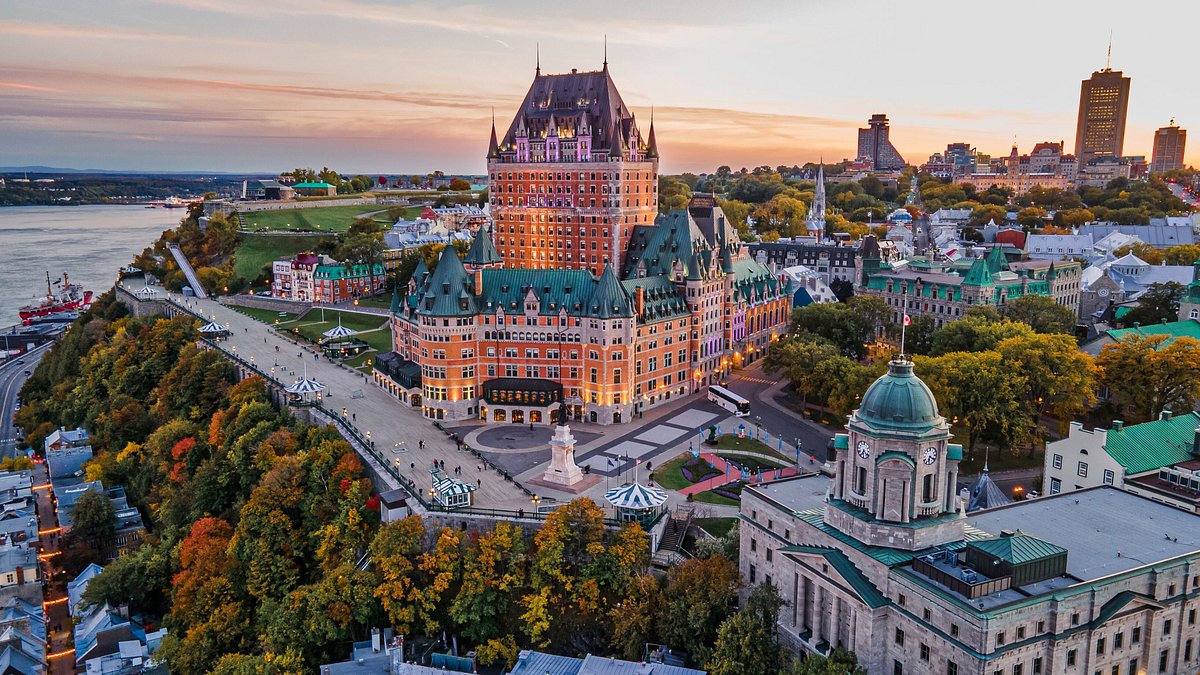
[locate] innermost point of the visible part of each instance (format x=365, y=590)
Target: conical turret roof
x=609, y=299
x=483, y=251
x=444, y=294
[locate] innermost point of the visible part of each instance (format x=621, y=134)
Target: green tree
x=1057, y=377
x=394, y=553
x=839, y=662
x=746, y=642
x=634, y=619
x=978, y=392
x=94, y=519
x=493, y=575
x=976, y=332
x=1157, y=304
x=1183, y=254
x=1031, y=217
x=1148, y=374
x=699, y=594
x=1041, y=312
x=849, y=325
x=919, y=335
x=797, y=359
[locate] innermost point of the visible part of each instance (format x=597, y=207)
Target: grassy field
x=255, y=252
x=380, y=340
x=669, y=476
x=317, y=219
x=311, y=326
x=709, y=497
x=717, y=527
x=382, y=301
x=267, y=316
x=747, y=444
x=750, y=463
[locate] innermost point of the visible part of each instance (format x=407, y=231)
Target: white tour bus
x=729, y=400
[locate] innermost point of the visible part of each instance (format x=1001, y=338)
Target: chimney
x=478, y=281
x=1196, y=443
x=1117, y=425
x=1164, y=416
x=376, y=644
x=640, y=302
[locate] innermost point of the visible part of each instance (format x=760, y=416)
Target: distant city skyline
x=378, y=87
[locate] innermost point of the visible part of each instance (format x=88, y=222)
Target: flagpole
x=903, y=319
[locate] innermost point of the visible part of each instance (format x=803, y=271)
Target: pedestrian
x=354, y=416
x=421, y=444
x=412, y=465
x=478, y=482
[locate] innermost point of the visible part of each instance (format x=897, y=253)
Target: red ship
x=61, y=296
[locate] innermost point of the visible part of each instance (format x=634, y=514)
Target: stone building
x=946, y=292
x=883, y=560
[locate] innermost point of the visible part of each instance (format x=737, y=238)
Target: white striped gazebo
x=213, y=328
x=305, y=386
x=339, y=331
x=146, y=292
x=634, y=501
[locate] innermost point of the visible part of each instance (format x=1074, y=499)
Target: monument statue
x=562, y=469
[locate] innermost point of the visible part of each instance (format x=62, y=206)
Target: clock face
x=929, y=456
x=864, y=449
x=1103, y=292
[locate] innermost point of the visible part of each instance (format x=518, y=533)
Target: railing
x=354, y=436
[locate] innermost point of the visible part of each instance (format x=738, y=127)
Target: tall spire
x=537, y=55
x=493, y=146
x=1108, y=61
x=815, y=221
x=651, y=144
x=606, y=51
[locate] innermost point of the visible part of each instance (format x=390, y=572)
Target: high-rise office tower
x=1168, y=148
x=1103, y=102
x=572, y=176
x=874, y=144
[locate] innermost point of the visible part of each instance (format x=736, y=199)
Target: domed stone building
x=883, y=559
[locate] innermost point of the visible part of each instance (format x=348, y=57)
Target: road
x=760, y=389
x=1186, y=196
x=12, y=377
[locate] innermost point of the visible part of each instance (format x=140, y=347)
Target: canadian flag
x=907, y=320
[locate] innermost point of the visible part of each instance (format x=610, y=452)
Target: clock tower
x=896, y=469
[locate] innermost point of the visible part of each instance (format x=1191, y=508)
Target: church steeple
x=815, y=222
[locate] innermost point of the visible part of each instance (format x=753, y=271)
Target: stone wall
x=259, y=302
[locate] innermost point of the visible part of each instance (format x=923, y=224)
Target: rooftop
x=1083, y=522
x=797, y=494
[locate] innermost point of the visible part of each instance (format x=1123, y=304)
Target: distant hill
x=37, y=169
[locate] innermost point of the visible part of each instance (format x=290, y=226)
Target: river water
x=91, y=243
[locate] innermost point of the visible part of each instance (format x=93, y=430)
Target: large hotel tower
x=582, y=295
x=572, y=176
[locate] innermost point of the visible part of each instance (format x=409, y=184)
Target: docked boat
x=61, y=296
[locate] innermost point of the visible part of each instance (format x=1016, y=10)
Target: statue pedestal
x=562, y=470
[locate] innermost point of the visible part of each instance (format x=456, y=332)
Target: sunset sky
x=236, y=85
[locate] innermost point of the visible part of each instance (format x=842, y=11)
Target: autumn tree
x=1041, y=312
x=1056, y=376
x=636, y=619
x=493, y=576
x=1147, y=374
x=978, y=392
x=978, y=331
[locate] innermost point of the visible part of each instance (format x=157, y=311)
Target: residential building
x=22, y=637
x=1169, y=142
x=572, y=176
x=884, y=560
x=511, y=344
x=461, y=217
x=1060, y=246
x=1171, y=330
x=384, y=654
x=130, y=529
x=67, y=460
x=1189, y=304
x=406, y=235
x=108, y=641
x=945, y=292
x=809, y=286
x=65, y=438
x=19, y=527
x=309, y=277
x=1103, y=104
x=830, y=260
x=77, y=586
x=1045, y=167
x=875, y=146
x=1159, y=460
x=1160, y=233
x=19, y=567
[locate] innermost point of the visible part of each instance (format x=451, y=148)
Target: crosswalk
x=757, y=380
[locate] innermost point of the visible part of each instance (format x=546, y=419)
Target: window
x=1082, y=470
x=1187, y=651
x=753, y=573
x=1118, y=640
x=953, y=630
x=1116, y=669
x=1135, y=635
x=924, y=652
x=925, y=614
x=1100, y=645
x=897, y=668
x=1057, y=461
x=1055, y=486
x=753, y=545
x=1037, y=666
x=1021, y=633
x=1167, y=627
x=899, y=637
x=1075, y=618
x=1071, y=657
x=1018, y=669
x=951, y=668
x=901, y=599
x=770, y=551
x=1108, y=477
x=1133, y=664
x=1191, y=616
x=1162, y=660
x=1041, y=627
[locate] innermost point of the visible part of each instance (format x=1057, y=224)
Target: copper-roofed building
x=572, y=175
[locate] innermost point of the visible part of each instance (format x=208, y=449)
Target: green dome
x=899, y=401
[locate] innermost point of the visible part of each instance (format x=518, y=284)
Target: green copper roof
x=899, y=401
x=1018, y=548
x=661, y=298
x=1152, y=445
x=888, y=556
x=311, y=184
x=483, y=251
x=861, y=585
x=979, y=274
x=954, y=452
x=609, y=300
x=421, y=271
x=1172, y=329
x=345, y=272
x=673, y=238
x=446, y=294
x=396, y=300
x=556, y=290
x=894, y=454
x=996, y=261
